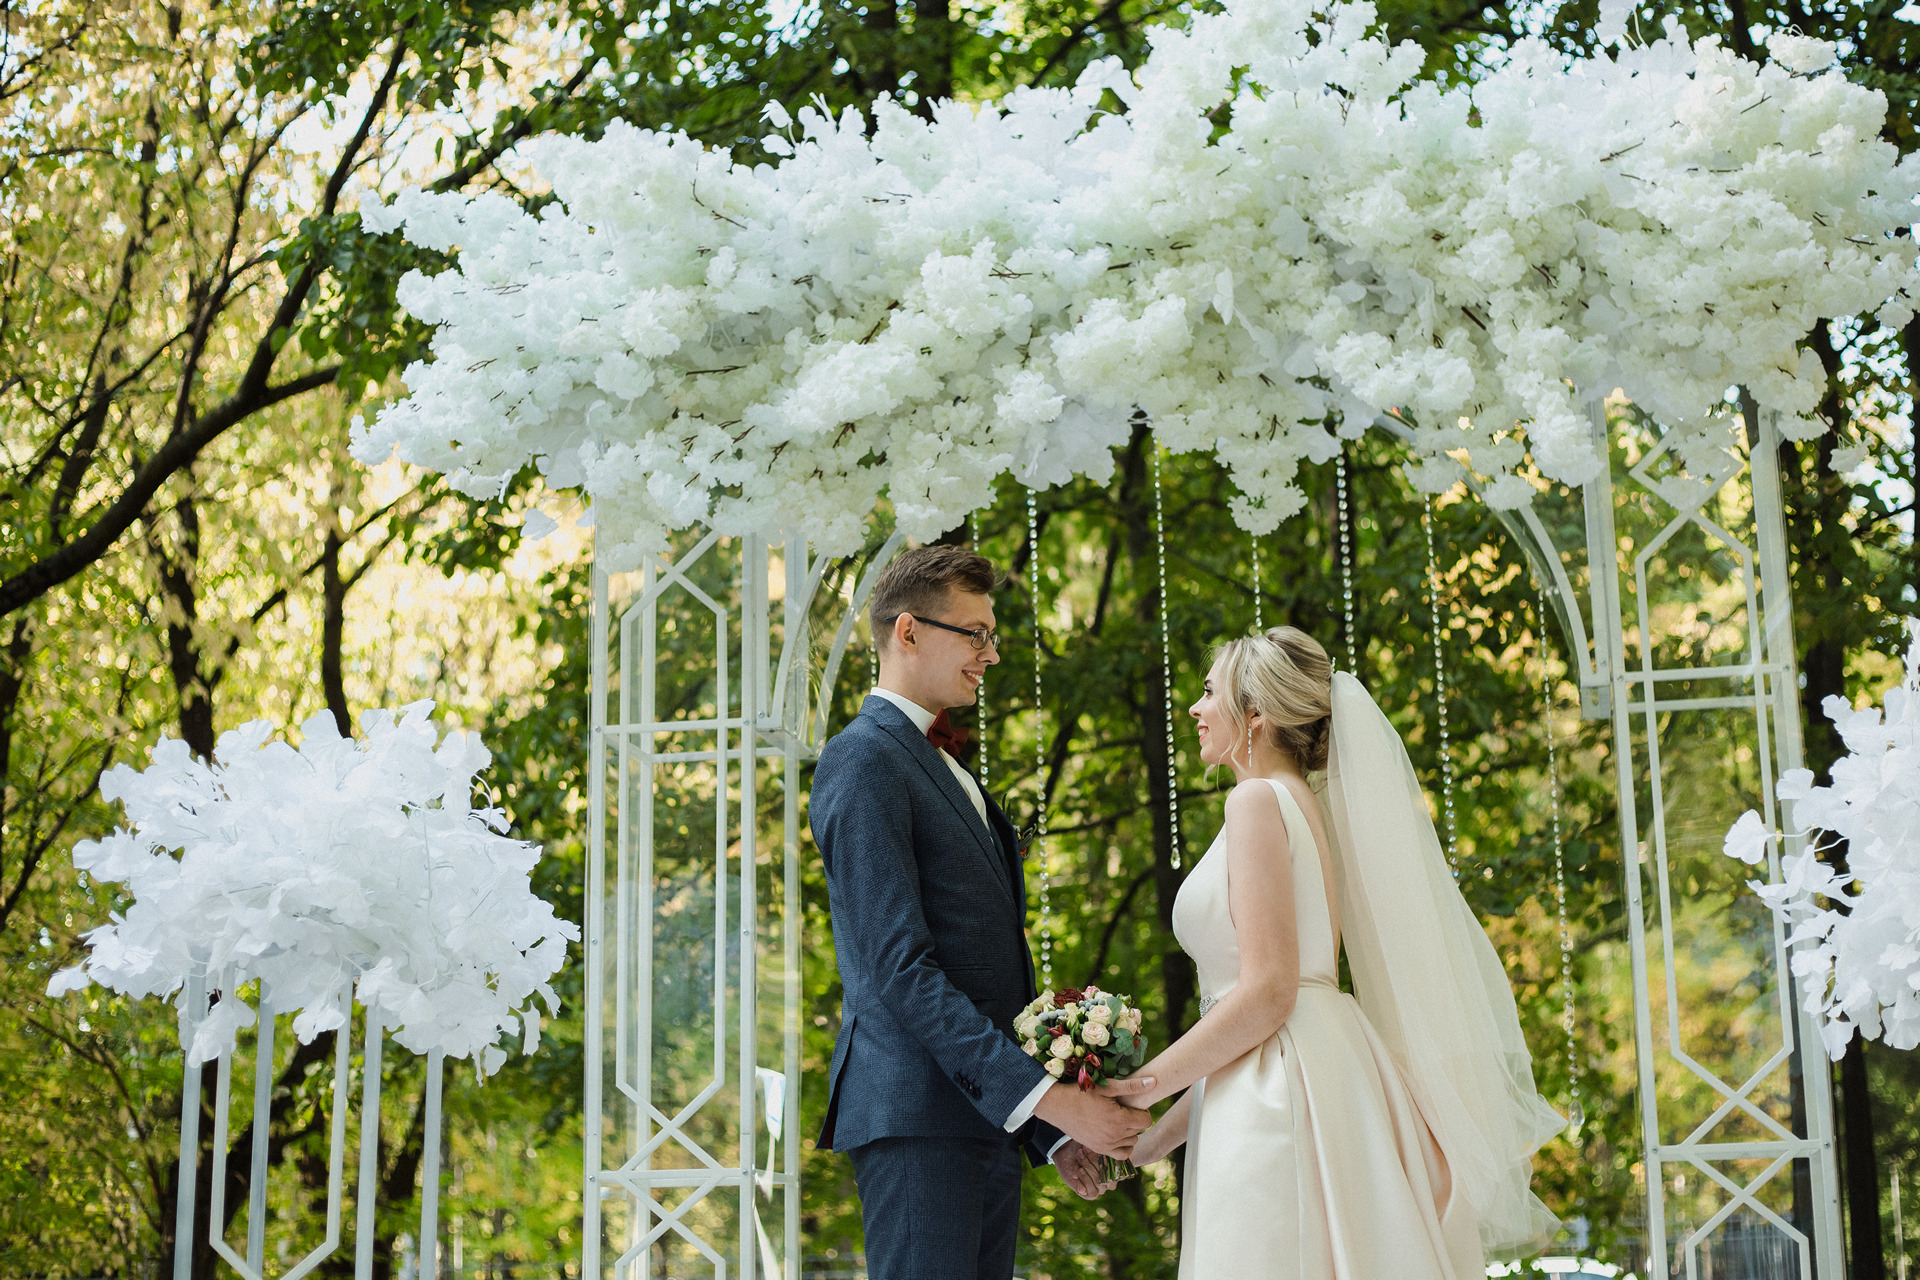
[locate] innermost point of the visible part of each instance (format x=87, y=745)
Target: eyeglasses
x=979, y=639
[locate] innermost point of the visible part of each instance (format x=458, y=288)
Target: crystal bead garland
x=1039, y=751
x=1346, y=560
x=1258, y=625
x=1576, y=1114
x=980, y=698
x=1440, y=691
x=1166, y=653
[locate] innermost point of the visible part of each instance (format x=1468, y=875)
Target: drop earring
x=1249, y=746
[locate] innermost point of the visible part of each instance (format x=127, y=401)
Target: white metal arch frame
x=673, y=1167
x=1621, y=599
x=644, y=1147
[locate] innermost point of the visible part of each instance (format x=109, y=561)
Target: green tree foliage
x=189, y=315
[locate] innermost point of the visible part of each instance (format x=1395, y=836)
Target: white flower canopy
x=1284, y=230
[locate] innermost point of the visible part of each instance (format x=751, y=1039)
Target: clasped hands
x=1097, y=1123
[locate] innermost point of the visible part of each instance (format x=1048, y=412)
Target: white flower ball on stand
x=344, y=869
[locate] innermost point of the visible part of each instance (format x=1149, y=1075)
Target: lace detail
x=1207, y=1003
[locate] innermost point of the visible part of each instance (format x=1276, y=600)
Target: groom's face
x=944, y=668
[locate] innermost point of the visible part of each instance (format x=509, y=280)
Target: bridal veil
x=1430, y=981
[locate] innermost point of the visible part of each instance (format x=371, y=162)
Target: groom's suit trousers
x=939, y=1208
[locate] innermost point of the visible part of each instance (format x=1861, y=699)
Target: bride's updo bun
x=1286, y=677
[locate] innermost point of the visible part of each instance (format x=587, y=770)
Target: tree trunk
x=1816, y=509
x=1862, y=1176
x=1176, y=968
x=333, y=593
x=178, y=569
x=933, y=27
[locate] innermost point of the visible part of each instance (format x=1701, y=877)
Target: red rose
x=1071, y=995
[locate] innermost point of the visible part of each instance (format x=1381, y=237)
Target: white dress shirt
x=923, y=720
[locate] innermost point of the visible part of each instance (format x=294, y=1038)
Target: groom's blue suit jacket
x=929, y=929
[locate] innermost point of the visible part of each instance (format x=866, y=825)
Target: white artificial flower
x=909, y=308
x=1748, y=839
x=344, y=870
x=1858, y=958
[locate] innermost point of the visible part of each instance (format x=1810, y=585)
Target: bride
x=1383, y=1134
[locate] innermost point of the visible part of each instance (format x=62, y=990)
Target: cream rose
x=1101, y=1013
x=1062, y=1047
x=1056, y=1068
x=1130, y=1020
x=1095, y=1034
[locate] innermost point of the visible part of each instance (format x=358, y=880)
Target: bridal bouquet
x=1088, y=1037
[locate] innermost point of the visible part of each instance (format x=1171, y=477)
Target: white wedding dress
x=1308, y=1158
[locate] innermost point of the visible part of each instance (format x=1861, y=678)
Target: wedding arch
x=1268, y=239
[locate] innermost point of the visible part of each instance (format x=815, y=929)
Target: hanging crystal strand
x=1576, y=1114
x=1039, y=751
x=1258, y=624
x=1166, y=652
x=1440, y=692
x=980, y=698
x=1346, y=560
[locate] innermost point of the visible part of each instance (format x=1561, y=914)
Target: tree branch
x=57, y=566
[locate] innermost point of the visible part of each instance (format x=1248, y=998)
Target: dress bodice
x=1203, y=920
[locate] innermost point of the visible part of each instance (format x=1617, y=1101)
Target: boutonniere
x=1023, y=837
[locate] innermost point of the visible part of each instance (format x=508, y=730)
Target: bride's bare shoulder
x=1252, y=801
x=1247, y=790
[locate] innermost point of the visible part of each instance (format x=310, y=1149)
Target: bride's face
x=1216, y=733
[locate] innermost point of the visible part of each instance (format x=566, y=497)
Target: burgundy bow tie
x=944, y=736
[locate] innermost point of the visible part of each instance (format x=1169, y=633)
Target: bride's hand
x=1151, y=1147
x=1130, y=1092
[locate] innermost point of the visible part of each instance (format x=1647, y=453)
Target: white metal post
x=594, y=932
x=753, y=671
x=262, y=1130
x=193, y=1007
x=364, y=1223
x=430, y=1170
x=793, y=720
x=1603, y=572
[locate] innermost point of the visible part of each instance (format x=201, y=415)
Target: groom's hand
x=1081, y=1169
x=1100, y=1123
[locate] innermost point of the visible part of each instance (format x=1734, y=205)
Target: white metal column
x=663, y=1149
x=1761, y=691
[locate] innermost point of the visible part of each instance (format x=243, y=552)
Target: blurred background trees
x=190, y=316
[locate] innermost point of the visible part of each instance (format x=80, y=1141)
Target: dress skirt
x=1307, y=1159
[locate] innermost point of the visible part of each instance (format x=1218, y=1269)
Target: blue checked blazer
x=929, y=930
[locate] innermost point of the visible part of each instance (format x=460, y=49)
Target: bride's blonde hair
x=1284, y=675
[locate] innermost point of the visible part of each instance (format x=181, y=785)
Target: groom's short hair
x=918, y=580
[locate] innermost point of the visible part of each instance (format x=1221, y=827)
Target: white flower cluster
x=343, y=865
x=1858, y=959
x=1285, y=228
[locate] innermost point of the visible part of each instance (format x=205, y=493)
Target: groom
x=930, y=1094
